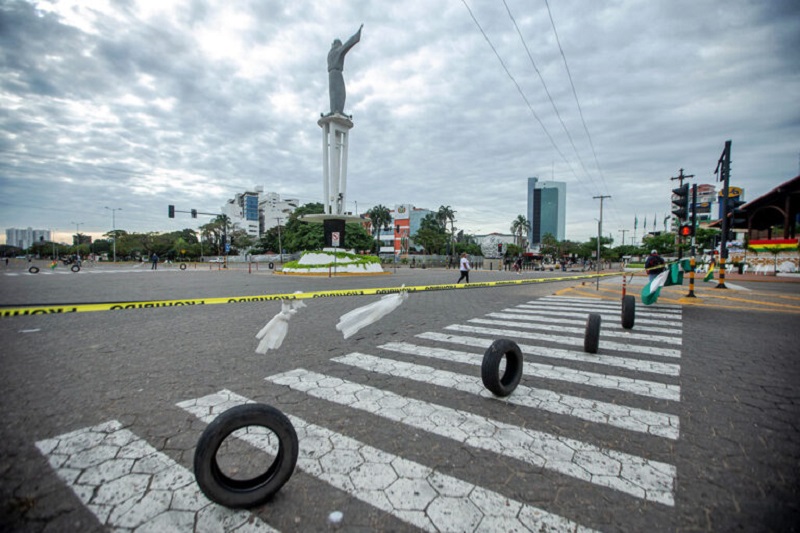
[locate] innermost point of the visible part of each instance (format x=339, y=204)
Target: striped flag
x=651, y=290
x=710, y=273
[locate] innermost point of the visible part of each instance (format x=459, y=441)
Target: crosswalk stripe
x=561, y=328
x=127, y=484
x=639, y=365
x=618, y=304
x=606, y=316
x=639, y=387
x=629, y=418
x=663, y=317
x=571, y=341
x=637, y=476
x=410, y=491
x=543, y=316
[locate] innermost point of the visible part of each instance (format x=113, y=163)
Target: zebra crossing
x=129, y=485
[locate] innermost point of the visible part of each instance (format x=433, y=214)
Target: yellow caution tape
x=153, y=304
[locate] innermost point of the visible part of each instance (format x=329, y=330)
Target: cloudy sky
x=139, y=104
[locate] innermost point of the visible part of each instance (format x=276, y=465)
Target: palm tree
x=518, y=227
x=380, y=217
x=445, y=215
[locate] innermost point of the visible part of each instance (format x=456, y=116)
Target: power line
x=549, y=96
x=519, y=89
x=575, y=93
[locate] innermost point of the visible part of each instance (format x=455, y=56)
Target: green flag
x=651, y=290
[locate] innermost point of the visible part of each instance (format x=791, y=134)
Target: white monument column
x=335, y=132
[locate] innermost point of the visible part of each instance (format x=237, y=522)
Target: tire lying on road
x=33, y=270
x=628, y=311
x=591, y=339
x=499, y=351
x=234, y=491
x=183, y=266
x=75, y=268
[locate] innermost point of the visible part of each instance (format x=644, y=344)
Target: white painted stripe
x=637, y=365
x=664, y=317
x=604, y=330
x=565, y=339
x=637, y=476
x=127, y=484
x=629, y=418
x=606, y=316
x=593, y=301
x=639, y=387
x=535, y=316
x=410, y=491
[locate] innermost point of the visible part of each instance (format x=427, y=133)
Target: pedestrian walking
x=464, y=267
x=654, y=265
x=154, y=259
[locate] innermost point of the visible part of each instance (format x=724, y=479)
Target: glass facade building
x=547, y=204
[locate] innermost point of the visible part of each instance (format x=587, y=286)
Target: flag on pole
x=635, y=221
x=644, y=225
x=651, y=290
x=710, y=273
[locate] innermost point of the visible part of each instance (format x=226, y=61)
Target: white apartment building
x=275, y=210
x=25, y=238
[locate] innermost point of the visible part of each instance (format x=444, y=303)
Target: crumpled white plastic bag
x=361, y=317
x=275, y=331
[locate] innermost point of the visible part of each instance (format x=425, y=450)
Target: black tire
x=183, y=266
x=75, y=268
x=591, y=339
x=33, y=270
x=238, y=493
x=628, y=311
x=271, y=266
x=490, y=368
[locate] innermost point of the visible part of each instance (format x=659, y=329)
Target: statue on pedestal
x=335, y=68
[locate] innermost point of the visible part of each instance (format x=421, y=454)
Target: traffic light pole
x=194, y=212
x=724, y=171
x=681, y=210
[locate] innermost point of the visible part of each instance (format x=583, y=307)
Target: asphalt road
x=688, y=422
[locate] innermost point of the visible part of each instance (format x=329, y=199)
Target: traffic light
x=194, y=213
x=738, y=216
x=687, y=230
x=680, y=202
x=500, y=247
x=171, y=211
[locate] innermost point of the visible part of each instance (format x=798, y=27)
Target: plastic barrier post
x=721, y=284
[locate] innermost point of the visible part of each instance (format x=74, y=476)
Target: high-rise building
x=242, y=210
x=24, y=238
x=547, y=207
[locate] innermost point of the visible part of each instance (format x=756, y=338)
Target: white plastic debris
x=352, y=322
x=275, y=331
x=335, y=518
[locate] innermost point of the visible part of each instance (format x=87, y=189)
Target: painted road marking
x=516, y=323
x=663, y=317
x=639, y=477
x=544, y=318
x=410, y=491
x=571, y=341
x=128, y=485
x=639, y=387
x=551, y=311
x=606, y=303
x=629, y=418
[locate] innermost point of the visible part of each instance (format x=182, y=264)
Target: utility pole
x=599, y=236
x=280, y=246
x=623, y=231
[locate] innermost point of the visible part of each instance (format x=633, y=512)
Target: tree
x=444, y=215
x=379, y=217
x=431, y=235
x=518, y=227
x=298, y=235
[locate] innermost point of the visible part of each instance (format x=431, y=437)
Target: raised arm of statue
x=335, y=68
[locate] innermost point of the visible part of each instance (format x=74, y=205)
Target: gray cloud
x=140, y=107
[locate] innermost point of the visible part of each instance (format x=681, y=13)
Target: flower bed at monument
x=322, y=262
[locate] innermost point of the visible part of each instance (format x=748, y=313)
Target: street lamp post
x=114, y=228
